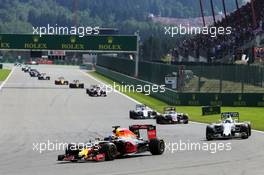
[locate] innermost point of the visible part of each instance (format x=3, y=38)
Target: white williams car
x=229, y=127
x=170, y=116
x=142, y=112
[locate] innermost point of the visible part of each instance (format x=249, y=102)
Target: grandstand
x=247, y=24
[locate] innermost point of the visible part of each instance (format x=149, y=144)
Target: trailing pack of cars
x=93, y=90
x=169, y=116
x=35, y=73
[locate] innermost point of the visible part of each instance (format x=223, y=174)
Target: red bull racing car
x=61, y=81
x=121, y=143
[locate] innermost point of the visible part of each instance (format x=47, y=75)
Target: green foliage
x=4, y=73
x=129, y=15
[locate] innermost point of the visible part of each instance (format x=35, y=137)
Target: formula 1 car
x=229, y=127
x=170, y=116
x=43, y=76
x=25, y=68
x=17, y=64
x=61, y=81
x=96, y=91
x=34, y=73
x=121, y=143
x=76, y=84
x=142, y=112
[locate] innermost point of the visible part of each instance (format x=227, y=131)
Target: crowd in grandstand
x=243, y=31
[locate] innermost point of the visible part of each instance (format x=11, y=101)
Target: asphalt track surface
x=33, y=111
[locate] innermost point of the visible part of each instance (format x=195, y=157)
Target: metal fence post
x=137, y=56
x=221, y=79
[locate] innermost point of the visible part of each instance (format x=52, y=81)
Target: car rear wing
x=140, y=106
x=230, y=114
x=151, y=130
x=169, y=108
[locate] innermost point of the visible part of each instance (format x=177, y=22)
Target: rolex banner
x=97, y=43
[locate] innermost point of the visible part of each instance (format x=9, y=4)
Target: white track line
x=4, y=82
x=141, y=103
x=85, y=73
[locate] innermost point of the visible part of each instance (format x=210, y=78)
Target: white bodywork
x=144, y=109
x=174, y=115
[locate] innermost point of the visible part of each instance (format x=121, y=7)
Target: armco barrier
x=190, y=99
x=86, y=66
x=156, y=72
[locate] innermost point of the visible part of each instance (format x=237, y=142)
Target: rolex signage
x=96, y=43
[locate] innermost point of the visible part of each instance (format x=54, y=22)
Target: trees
x=129, y=16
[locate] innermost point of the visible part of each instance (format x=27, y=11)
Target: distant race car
x=25, y=68
x=96, y=91
x=17, y=64
x=34, y=73
x=121, y=143
x=43, y=76
x=142, y=112
x=32, y=62
x=229, y=127
x=170, y=116
x=61, y=81
x=76, y=84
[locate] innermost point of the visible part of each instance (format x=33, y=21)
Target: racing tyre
x=209, y=134
x=156, y=146
x=131, y=114
x=244, y=135
x=249, y=130
x=244, y=132
x=109, y=150
x=186, y=119
x=72, y=150
x=61, y=157
x=158, y=120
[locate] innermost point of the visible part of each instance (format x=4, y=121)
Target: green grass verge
x=253, y=114
x=4, y=73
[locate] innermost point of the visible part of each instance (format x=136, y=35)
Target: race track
x=33, y=111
